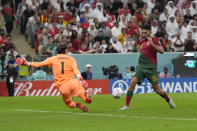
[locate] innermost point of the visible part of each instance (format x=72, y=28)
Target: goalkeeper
x=64, y=70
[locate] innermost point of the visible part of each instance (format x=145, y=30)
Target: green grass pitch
x=148, y=112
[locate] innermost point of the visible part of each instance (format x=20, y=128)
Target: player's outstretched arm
x=23, y=61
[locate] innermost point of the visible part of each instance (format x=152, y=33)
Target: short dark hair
x=146, y=27
x=61, y=48
x=11, y=55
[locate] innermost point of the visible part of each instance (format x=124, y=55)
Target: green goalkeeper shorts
x=150, y=74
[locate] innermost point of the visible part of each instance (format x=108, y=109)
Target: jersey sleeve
x=43, y=63
x=75, y=67
x=156, y=41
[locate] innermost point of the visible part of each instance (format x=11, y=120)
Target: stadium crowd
x=100, y=26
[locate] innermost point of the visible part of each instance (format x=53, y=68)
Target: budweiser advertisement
x=46, y=88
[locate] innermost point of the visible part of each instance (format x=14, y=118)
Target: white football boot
x=124, y=108
x=171, y=104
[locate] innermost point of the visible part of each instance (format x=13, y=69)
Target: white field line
x=108, y=115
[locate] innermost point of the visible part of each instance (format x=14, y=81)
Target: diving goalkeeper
x=64, y=70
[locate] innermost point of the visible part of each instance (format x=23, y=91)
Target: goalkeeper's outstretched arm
x=39, y=64
x=23, y=61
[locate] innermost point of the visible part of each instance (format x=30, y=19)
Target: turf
x=148, y=112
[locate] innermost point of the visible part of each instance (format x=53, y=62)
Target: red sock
x=165, y=96
x=128, y=99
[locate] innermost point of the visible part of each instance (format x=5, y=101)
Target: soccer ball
x=117, y=92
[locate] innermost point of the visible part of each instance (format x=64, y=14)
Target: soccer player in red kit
x=147, y=67
x=64, y=70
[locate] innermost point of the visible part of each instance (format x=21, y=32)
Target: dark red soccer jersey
x=148, y=54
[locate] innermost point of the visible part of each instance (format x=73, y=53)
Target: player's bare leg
x=130, y=91
x=163, y=94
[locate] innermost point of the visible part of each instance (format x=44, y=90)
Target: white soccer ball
x=117, y=92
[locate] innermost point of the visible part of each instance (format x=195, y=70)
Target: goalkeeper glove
x=21, y=61
x=83, y=82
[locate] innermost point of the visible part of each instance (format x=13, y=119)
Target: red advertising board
x=46, y=88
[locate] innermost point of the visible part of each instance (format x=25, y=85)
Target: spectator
x=9, y=17
x=188, y=16
x=85, y=24
x=72, y=6
x=134, y=28
x=92, y=30
x=178, y=44
x=8, y=42
x=172, y=27
x=48, y=48
x=54, y=30
x=117, y=45
x=12, y=71
x=110, y=49
x=109, y=23
x=39, y=75
x=24, y=18
x=115, y=75
x=184, y=30
x=33, y=25
x=164, y=16
x=116, y=5
x=83, y=49
x=167, y=44
x=132, y=6
x=20, y=9
x=171, y=8
x=151, y=5
x=78, y=28
x=42, y=40
x=191, y=24
x=193, y=8
x=88, y=11
x=103, y=45
x=194, y=33
x=124, y=12
x=154, y=14
x=99, y=37
x=123, y=21
x=87, y=74
x=59, y=36
x=140, y=3
x=165, y=73
x=154, y=27
x=116, y=30
x=190, y=44
x=129, y=44
x=60, y=22
x=12, y=51
x=97, y=48
x=128, y=73
x=122, y=36
x=98, y=11
x=2, y=37
x=76, y=44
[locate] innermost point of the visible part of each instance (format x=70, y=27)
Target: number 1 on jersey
x=62, y=67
